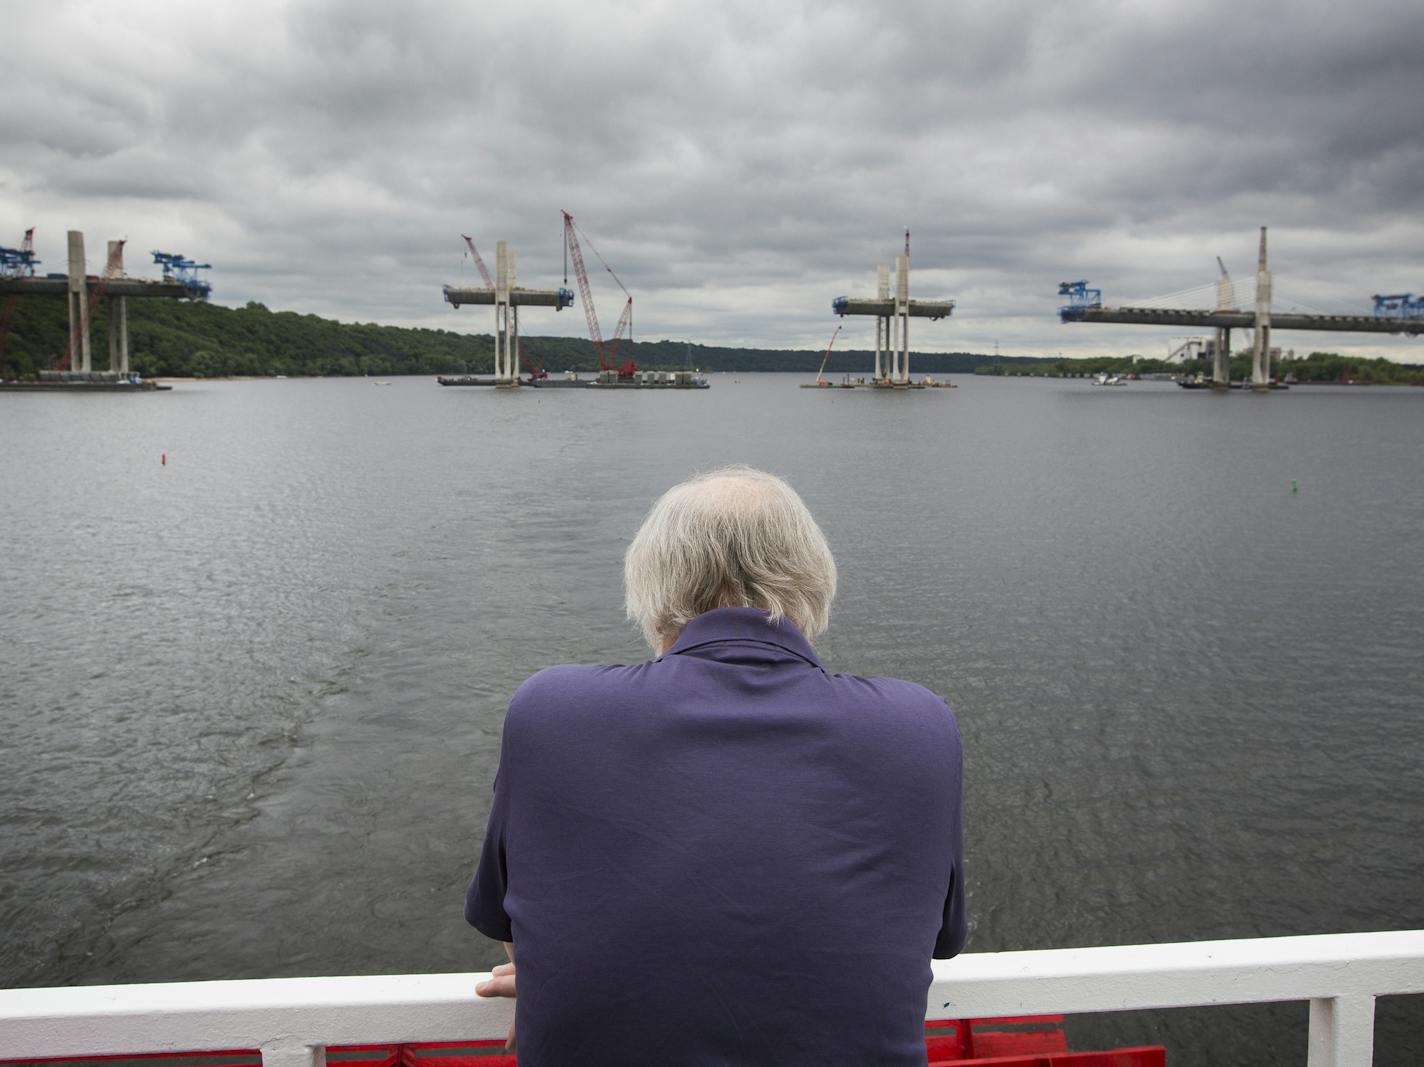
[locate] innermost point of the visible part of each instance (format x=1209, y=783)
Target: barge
x=847, y=382
x=84, y=382
x=609, y=379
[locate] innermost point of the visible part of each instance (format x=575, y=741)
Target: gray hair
x=733, y=537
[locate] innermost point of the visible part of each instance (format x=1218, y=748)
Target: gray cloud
x=739, y=164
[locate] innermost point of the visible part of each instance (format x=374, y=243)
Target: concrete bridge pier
x=118, y=313
x=901, y=373
x=506, y=320
x=1221, y=361
x=1261, y=360
x=882, y=326
x=78, y=304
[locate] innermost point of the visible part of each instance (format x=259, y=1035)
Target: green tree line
x=178, y=338
x=1316, y=367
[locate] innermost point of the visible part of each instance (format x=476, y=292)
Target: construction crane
x=1398, y=306
x=607, y=354
x=86, y=313
x=1081, y=298
x=184, y=272
x=19, y=262
x=1225, y=290
x=820, y=380
x=479, y=262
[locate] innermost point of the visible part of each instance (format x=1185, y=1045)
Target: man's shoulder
x=896, y=692
x=558, y=686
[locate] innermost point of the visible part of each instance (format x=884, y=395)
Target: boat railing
x=293, y=1020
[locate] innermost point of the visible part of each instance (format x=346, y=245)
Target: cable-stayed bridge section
x=506, y=298
x=893, y=311
x=84, y=291
x=1398, y=313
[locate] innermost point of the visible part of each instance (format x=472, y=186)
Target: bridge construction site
x=507, y=298
x=83, y=292
x=1216, y=306
x=1399, y=313
x=892, y=313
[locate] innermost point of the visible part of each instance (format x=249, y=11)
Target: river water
x=251, y=697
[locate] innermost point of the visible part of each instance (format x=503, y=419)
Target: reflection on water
x=252, y=698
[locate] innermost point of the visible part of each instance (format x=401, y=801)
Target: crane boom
x=571, y=242
x=607, y=353
x=479, y=262
x=826, y=358
x=625, y=322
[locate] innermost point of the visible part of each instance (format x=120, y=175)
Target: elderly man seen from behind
x=727, y=854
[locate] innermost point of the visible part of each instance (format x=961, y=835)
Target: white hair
x=734, y=537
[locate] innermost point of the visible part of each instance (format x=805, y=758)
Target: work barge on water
x=892, y=310
x=511, y=369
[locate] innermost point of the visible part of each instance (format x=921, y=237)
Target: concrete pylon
x=902, y=318
x=1225, y=301
x=78, y=305
x=1261, y=361
x=503, y=356
x=882, y=324
x=118, y=313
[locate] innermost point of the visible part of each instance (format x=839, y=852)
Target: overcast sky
x=738, y=164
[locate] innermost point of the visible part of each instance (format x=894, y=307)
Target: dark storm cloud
x=739, y=164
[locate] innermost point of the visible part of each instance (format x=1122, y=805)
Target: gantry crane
x=185, y=273
x=607, y=354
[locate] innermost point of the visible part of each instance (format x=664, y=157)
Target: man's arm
x=501, y=985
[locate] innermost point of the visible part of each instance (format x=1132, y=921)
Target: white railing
x=293, y=1020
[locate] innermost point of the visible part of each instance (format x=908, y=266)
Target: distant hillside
x=177, y=338
x=204, y=340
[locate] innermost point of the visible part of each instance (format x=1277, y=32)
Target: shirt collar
x=743, y=624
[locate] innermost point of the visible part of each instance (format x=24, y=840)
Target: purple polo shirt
x=724, y=856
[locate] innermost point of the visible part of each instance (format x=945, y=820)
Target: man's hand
x=501, y=984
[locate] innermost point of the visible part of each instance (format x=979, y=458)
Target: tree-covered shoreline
x=179, y=339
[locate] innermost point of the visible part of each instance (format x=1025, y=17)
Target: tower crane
x=479, y=262
x=607, y=353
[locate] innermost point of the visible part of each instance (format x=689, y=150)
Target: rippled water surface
x=251, y=699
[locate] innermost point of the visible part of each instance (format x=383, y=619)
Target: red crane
x=479, y=262
x=607, y=353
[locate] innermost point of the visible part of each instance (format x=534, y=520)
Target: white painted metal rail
x=293, y=1020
